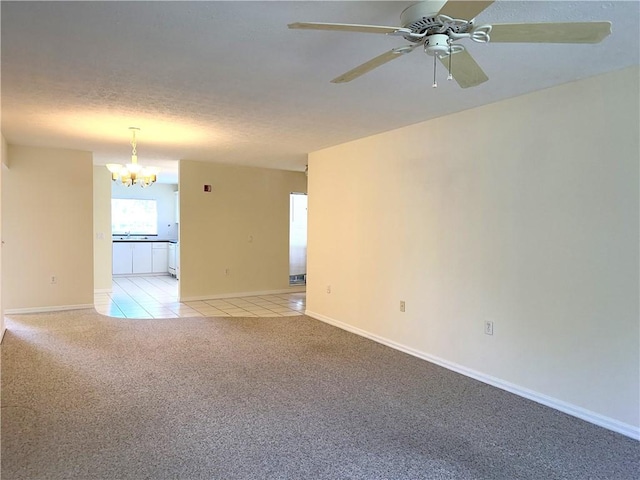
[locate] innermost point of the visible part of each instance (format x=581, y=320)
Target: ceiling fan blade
x=373, y=63
x=348, y=27
x=464, y=69
x=466, y=10
x=579, y=32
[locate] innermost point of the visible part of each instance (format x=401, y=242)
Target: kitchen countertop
x=119, y=240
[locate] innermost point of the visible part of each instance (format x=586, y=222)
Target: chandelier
x=133, y=173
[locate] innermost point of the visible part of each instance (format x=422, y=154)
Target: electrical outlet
x=402, y=305
x=226, y=272
x=54, y=279
x=488, y=327
x=328, y=288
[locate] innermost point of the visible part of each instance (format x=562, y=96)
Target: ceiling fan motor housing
x=416, y=12
x=423, y=18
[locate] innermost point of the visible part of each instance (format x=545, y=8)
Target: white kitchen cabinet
x=160, y=252
x=142, y=257
x=132, y=257
x=122, y=258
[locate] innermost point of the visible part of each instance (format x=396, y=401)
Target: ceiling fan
x=436, y=24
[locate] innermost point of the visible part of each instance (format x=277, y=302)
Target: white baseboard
x=102, y=290
x=565, y=407
x=296, y=289
x=57, y=308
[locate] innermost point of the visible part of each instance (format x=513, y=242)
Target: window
x=134, y=216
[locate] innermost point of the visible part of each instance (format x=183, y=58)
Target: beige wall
x=242, y=226
x=4, y=161
x=102, y=250
x=47, y=227
x=5, y=155
x=524, y=213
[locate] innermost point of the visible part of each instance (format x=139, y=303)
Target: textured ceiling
x=229, y=82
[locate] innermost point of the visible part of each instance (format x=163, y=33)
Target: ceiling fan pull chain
x=435, y=84
x=450, y=77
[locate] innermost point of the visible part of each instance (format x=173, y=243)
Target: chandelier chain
x=133, y=141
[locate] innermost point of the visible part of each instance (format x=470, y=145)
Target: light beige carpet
x=90, y=397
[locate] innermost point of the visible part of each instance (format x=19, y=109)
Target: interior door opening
x=298, y=239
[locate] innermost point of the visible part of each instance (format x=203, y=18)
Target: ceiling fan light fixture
x=437, y=45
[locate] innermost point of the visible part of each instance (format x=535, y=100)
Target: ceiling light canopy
x=133, y=173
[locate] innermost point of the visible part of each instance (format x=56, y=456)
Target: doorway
x=298, y=239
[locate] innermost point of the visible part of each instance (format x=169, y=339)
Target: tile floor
x=157, y=297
